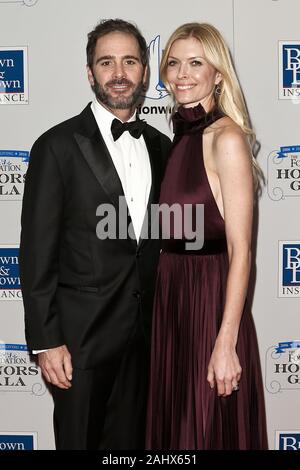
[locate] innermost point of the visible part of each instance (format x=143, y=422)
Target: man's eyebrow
x=105, y=57
x=112, y=57
x=132, y=57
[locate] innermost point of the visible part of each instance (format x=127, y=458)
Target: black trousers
x=106, y=407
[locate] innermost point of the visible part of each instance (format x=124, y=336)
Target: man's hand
x=56, y=366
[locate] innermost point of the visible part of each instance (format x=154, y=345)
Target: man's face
x=117, y=76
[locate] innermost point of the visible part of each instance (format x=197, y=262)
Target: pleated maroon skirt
x=183, y=411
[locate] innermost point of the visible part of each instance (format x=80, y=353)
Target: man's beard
x=121, y=102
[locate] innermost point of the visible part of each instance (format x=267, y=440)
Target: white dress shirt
x=131, y=160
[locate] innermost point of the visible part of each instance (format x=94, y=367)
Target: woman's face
x=192, y=79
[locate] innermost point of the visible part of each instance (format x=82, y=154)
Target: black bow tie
x=135, y=128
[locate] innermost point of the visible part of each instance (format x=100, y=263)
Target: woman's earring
x=218, y=90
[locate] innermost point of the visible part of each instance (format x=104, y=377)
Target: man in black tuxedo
x=87, y=298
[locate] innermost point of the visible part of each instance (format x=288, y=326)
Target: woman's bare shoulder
x=229, y=137
x=225, y=128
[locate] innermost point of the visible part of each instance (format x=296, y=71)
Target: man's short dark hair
x=111, y=26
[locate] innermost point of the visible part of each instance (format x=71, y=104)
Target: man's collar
x=104, y=117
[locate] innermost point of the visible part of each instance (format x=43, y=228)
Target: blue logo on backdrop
x=291, y=265
x=288, y=440
x=17, y=441
x=284, y=172
x=156, y=89
x=289, y=69
x=283, y=366
x=291, y=65
x=19, y=371
x=284, y=345
x=289, y=269
x=13, y=75
x=13, y=347
x=13, y=168
x=10, y=288
x=12, y=71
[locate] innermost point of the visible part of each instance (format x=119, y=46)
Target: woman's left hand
x=224, y=369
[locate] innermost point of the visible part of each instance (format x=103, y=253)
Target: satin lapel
x=154, y=151
x=96, y=154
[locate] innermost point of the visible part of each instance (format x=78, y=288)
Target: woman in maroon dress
x=206, y=387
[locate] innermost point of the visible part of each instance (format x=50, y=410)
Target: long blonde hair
x=228, y=96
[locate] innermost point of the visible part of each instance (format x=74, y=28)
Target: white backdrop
x=50, y=37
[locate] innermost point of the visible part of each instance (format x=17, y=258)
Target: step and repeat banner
x=43, y=81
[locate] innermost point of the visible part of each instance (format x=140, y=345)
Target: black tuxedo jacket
x=79, y=290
